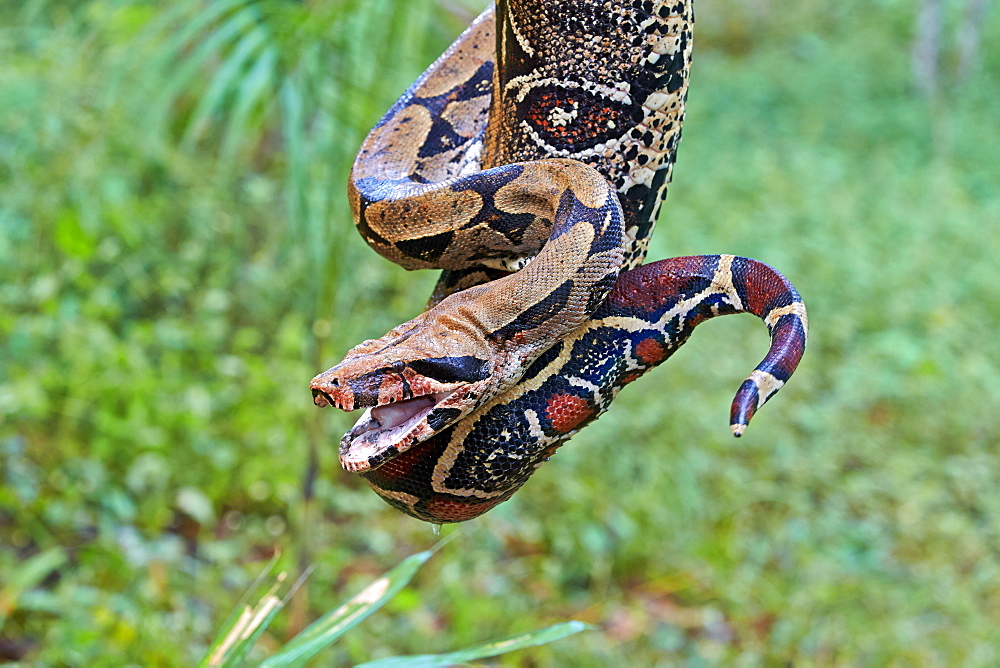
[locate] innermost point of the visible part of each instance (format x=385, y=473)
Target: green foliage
x=484, y=651
x=26, y=576
x=245, y=625
x=177, y=261
x=328, y=628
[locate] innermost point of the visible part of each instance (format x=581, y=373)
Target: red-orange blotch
x=650, y=351
x=566, y=411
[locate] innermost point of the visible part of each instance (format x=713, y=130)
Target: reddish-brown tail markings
x=735, y=285
x=767, y=294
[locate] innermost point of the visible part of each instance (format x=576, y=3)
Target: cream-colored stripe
x=797, y=308
x=584, y=383
x=443, y=469
x=723, y=279
x=766, y=385
x=617, y=91
x=534, y=424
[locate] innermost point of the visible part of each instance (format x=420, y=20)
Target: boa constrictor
x=529, y=162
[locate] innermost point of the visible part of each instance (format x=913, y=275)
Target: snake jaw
x=407, y=401
x=415, y=381
x=385, y=431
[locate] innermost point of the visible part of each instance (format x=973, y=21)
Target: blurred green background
x=177, y=260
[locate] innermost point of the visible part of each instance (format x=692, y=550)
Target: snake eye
x=463, y=369
x=574, y=119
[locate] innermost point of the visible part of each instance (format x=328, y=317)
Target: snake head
x=414, y=382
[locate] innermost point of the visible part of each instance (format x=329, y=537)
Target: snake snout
x=330, y=388
x=334, y=392
x=322, y=399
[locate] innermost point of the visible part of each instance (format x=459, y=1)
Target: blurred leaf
x=223, y=81
x=485, y=650
x=252, y=92
x=237, y=635
x=71, y=237
x=325, y=630
x=26, y=576
x=194, y=502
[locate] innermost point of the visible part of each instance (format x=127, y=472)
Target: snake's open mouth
x=382, y=432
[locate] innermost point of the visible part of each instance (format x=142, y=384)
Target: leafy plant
x=246, y=624
x=27, y=576
x=265, y=80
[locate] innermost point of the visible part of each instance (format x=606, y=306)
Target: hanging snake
x=529, y=162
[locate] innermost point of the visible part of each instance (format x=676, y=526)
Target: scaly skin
x=533, y=179
x=470, y=467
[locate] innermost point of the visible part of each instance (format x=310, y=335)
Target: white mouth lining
x=375, y=439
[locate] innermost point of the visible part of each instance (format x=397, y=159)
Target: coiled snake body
x=529, y=162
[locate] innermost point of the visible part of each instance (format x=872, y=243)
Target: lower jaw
x=368, y=445
x=371, y=448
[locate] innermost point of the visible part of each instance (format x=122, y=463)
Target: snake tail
x=738, y=285
x=773, y=299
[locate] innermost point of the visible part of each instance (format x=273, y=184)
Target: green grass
x=177, y=260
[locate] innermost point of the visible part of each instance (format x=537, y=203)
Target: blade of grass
x=293, y=120
x=335, y=623
x=223, y=82
x=488, y=649
x=204, y=16
x=238, y=618
x=325, y=630
x=187, y=67
x=252, y=90
x=239, y=638
x=262, y=616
